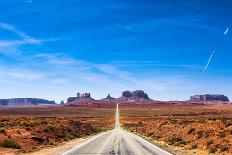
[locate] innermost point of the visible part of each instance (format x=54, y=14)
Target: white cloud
x=226, y=31
x=209, y=61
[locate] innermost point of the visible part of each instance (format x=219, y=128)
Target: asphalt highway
x=116, y=142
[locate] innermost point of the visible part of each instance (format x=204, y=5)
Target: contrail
x=226, y=31
x=206, y=66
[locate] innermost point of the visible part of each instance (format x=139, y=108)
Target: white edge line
x=157, y=147
x=86, y=142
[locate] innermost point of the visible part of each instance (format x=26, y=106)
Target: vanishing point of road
x=116, y=142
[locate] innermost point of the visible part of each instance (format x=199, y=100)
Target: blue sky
x=53, y=49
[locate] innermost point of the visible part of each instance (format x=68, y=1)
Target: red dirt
x=207, y=128
x=34, y=128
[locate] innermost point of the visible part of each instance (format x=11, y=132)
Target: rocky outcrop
x=139, y=94
x=81, y=98
x=24, y=101
x=108, y=99
x=134, y=96
x=127, y=94
x=209, y=98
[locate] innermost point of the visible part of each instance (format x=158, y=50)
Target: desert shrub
x=49, y=128
x=173, y=120
x=194, y=146
x=2, y=124
x=200, y=134
x=191, y=131
x=203, y=121
x=2, y=130
x=222, y=134
x=209, y=142
x=207, y=133
x=224, y=148
x=78, y=135
x=69, y=129
x=69, y=137
x=181, y=143
x=185, y=122
x=175, y=140
x=28, y=123
x=212, y=150
x=163, y=123
x=230, y=132
x=45, y=121
x=226, y=123
x=10, y=144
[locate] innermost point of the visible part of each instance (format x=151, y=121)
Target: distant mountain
x=209, y=98
x=127, y=97
x=25, y=102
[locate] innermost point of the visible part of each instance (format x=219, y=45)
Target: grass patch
x=49, y=128
x=2, y=130
x=69, y=137
x=28, y=123
x=10, y=144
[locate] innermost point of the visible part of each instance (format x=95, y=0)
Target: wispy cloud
x=209, y=61
x=26, y=39
x=154, y=64
x=59, y=81
x=226, y=31
x=57, y=59
x=20, y=74
x=10, y=47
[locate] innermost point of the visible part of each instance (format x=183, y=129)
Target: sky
x=53, y=49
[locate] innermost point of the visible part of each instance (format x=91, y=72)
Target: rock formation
x=24, y=101
x=127, y=94
x=134, y=96
x=139, y=94
x=108, y=99
x=209, y=98
x=80, y=98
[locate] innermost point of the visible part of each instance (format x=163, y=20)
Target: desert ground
x=28, y=129
x=179, y=128
x=189, y=129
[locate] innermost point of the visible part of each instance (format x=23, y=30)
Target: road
x=116, y=142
